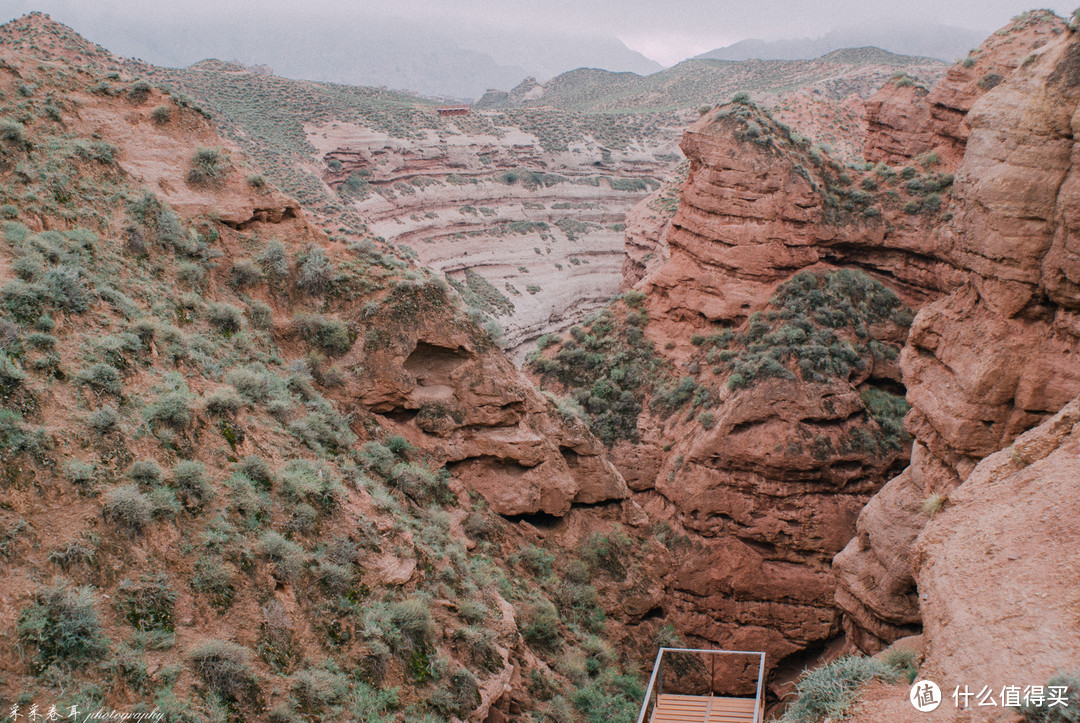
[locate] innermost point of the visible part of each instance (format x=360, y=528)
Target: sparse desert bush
x=540, y=624
x=145, y=473
x=173, y=410
x=103, y=420
x=934, y=504
x=127, y=507
x=330, y=335
x=148, y=603
x=316, y=273
x=100, y=377
x=226, y=318
x=245, y=273
x=214, y=579
x=224, y=400
x=192, y=487
x=208, y=167
x=830, y=690
x=161, y=114
x=82, y=475
x=261, y=315
x=314, y=690
x=225, y=668
x=1046, y=711
x=61, y=626
x=274, y=262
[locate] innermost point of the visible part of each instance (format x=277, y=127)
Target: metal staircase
x=660, y=707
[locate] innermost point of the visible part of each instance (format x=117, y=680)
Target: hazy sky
x=665, y=30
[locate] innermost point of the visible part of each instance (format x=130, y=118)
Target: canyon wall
x=970, y=225
x=997, y=355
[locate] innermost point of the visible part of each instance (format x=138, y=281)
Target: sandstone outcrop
x=907, y=118
x=997, y=355
x=986, y=563
x=764, y=481
x=434, y=375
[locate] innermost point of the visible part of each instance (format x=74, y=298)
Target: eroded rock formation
x=976, y=232
x=544, y=228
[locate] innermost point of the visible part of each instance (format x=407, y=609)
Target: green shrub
x=225, y=668
x=539, y=624
x=830, y=690
x=1043, y=712
x=398, y=445
x=224, y=401
x=148, y=603
x=904, y=661
x=173, y=409
x=64, y=287
x=214, y=579
x=24, y=302
x=330, y=335
x=314, y=690
x=101, y=377
x=226, y=318
x=127, y=507
x=145, y=473
x=257, y=470
x=61, y=626
x=161, y=114
x=537, y=560
x=208, y=167
x=274, y=262
x=261, y=315
x=245, y=273
x=458, y=696
x=103, y=420
x=82, y=475
x=138, y=92
x=193, y=489
x=11, y=376
x=288, y=557
x=413, y=623
x=316, y=273
x=888, y=410
x=302, y=481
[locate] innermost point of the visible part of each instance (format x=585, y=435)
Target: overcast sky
x=664, y=30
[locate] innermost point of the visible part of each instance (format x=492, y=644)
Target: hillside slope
x=254, y=473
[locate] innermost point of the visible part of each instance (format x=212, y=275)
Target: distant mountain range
x=352, y=48
x=943, y=42
x=691, y=83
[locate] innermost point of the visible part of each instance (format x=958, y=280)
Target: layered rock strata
x=544, y=228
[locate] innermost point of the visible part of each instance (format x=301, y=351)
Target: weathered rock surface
x=768, y=490
x=995, y=357
x=986, y=563
x=440, y=379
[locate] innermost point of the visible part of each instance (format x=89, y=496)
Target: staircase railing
x=656, y=680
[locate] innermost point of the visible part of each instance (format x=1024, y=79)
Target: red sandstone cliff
x=997, y=355
x=977, y=233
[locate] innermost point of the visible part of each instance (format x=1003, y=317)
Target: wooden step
x=702, y=709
